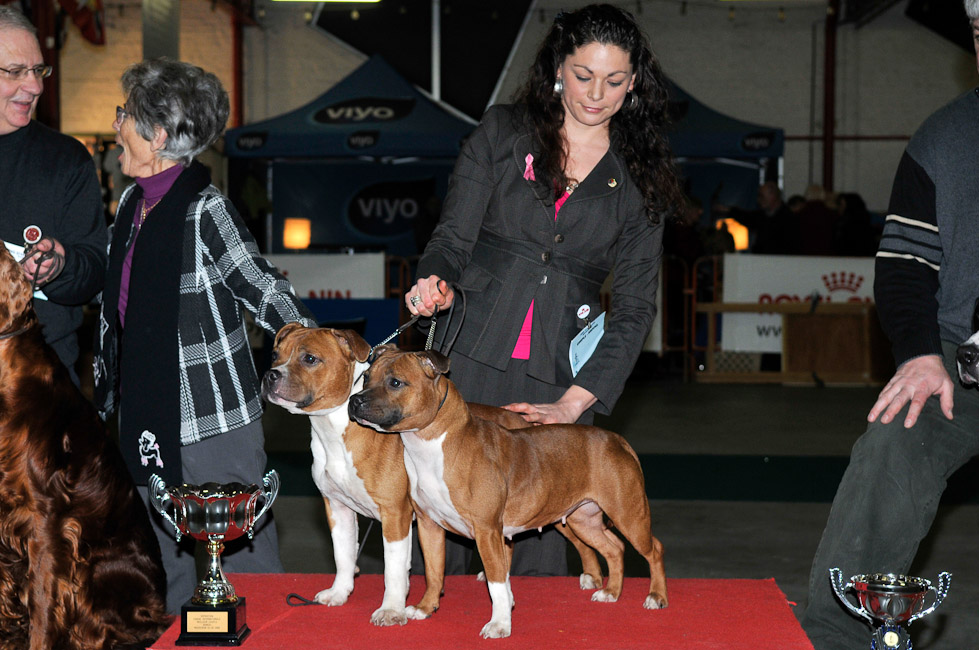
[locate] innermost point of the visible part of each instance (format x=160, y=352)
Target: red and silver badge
x=32, y=235
x=583, y=312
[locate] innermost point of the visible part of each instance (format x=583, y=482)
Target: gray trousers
x=235, y=456
x=885, y=505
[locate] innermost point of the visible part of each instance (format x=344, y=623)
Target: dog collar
x=444, y=397
x=10, y=335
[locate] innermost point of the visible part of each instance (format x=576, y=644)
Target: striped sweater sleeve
x=908, y=263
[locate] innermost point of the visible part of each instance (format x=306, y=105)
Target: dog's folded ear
x=437, y=361
x=387, y=348
x=354, y=343
x=287, y=329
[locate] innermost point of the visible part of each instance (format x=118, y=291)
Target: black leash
x=301, y=601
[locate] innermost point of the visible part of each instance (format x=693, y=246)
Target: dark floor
x=739, y=476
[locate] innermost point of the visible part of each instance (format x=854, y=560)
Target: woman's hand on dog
x=575, y=401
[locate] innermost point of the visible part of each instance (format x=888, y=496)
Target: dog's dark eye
x=310, y=360
x=394, y=382
x=274, y=356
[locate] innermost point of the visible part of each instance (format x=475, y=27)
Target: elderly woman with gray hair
x=172, y=357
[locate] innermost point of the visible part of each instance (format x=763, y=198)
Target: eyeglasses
x=121, y=114
x=16, y=74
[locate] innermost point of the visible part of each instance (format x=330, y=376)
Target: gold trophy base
x=213, y=624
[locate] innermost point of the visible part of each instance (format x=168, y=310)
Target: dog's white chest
x=333, y=468
x=425, y=463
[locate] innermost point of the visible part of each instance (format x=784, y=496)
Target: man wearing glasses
x=47, y=180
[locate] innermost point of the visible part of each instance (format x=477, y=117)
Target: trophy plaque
x=888, y=600
x=214, y=513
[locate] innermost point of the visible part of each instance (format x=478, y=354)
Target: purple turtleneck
x=154, y=187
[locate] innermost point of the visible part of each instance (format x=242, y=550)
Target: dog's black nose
x=967, y=354
x=356, y=402
x=271, y=376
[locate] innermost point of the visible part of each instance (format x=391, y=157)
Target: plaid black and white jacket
x=222, y=274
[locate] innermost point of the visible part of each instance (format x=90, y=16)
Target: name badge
x=583, y=345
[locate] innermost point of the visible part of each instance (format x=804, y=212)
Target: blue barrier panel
x=372, y=318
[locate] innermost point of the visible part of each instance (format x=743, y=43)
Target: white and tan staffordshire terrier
x=482, y=481
x=356, y=469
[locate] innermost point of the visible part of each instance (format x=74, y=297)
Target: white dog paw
x=384, y=617
x=654, y=602
x=415, y=614
x=332, y=597
x=588, y=582
x=495, y=630
x=603, y=596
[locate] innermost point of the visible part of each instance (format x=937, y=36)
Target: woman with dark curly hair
x=549, y=197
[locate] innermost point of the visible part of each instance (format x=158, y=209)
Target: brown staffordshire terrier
x=356, y=469
x=480, y=480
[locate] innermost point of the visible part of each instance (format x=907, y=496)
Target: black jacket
x=499, y=241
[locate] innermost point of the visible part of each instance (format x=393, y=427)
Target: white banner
x=328, y=275
x=774, y=279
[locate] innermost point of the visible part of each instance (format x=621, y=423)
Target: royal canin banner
x=775, y=279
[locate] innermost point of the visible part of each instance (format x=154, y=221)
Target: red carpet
x=550, y=613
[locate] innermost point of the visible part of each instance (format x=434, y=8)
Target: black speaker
x=944, y=17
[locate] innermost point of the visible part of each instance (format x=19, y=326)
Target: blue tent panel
x=701, y=132
x=373, y=112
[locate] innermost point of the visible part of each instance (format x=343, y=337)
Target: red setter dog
x=80, y=567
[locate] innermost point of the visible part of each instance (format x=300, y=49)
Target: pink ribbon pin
x=528, y=172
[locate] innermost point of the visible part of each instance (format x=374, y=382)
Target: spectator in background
x=719, y=240
x=817, y=223
x=796, y=203
x=854, y=236
x=773, y=226
x=682, y=236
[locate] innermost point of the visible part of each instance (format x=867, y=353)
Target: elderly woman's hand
x=427, y=294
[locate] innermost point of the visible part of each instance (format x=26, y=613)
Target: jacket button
x=558, y=238
x=546, y=256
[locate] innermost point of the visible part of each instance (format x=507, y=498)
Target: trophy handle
x=944, y=579
x=836, y=579
x=271, y=483
x=159, y=498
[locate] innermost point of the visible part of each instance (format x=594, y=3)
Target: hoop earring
x=558, y=86
x=632, y=102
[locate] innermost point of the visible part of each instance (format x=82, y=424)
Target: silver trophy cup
x=214, y=513
x=888, y=600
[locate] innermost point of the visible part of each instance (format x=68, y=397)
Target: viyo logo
x=387, y=209
x=365, y=110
